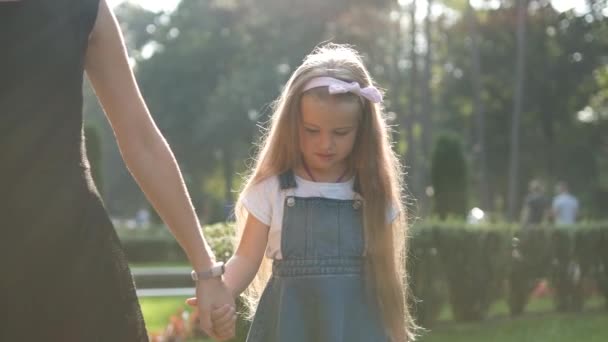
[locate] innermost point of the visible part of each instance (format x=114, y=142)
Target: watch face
x=221, y=269
x=218, y=270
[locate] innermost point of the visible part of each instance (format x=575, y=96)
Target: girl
x=324, y=203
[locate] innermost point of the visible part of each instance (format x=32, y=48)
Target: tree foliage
x=210, y=70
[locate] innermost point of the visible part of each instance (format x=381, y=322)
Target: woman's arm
x=146, y=153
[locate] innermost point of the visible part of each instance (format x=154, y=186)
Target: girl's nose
x=327, y=142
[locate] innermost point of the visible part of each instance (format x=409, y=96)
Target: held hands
x=216, y=307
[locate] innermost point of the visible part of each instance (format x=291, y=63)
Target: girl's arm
x=244, y=264
x=240, y=270
x=146, y=153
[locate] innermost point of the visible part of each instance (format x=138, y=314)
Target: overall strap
x=287, y=180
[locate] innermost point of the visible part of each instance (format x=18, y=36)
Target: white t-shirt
x=565, y=207
x=265, y=201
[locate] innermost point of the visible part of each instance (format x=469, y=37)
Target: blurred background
x=491, y=102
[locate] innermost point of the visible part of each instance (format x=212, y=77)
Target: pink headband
x=336, y=86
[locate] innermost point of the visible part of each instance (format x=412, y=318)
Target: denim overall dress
x=317, y=291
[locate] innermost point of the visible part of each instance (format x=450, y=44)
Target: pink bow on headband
x=336, y=86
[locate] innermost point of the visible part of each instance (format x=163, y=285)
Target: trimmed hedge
x=531, y=257
x=468, y=266
x=426, y=277
x=481, y=264
x=157, y=245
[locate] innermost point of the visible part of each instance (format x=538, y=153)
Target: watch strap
x=215, y=271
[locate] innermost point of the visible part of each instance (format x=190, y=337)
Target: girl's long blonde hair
x=378, y=176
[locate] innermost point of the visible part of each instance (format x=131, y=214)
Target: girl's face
x=327, y=131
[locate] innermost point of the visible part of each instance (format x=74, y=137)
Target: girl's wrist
x=235, y=294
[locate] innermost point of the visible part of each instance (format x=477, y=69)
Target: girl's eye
x=342, y=133
x=310, y=130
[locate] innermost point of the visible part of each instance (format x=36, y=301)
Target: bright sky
x=168, y=5
x=152, y=5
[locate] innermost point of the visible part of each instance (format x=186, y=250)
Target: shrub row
x=469, y=267
x=157, y=245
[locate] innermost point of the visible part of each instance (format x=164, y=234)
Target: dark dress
x=64, y=276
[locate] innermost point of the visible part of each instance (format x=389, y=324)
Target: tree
x=449, y=177
x=478, y=111
x=522, y=10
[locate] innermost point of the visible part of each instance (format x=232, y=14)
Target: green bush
x=475, y=262
x=567, y=271
x=469, y=265
x=153, y=249
x=449, y=178
x=531, y=256
x=601, y=269
x=426, y=277
x=221, y=237
x=580, y=254
x=156, y=244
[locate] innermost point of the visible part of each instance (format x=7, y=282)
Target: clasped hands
x=216, y=305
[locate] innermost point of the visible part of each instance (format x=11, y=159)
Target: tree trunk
x=479, y=114
x=414, y=171
x=513, y=192
x=427, y=109
x=228, y=173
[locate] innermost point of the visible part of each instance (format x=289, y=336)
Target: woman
x=65, y=277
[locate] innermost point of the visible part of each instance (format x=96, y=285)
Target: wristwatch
x=215, y=271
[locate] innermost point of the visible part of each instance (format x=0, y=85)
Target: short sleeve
x=258, y=200
x=392, y=213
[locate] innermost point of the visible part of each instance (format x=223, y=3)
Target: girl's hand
x=223, y=319
x=212, y=294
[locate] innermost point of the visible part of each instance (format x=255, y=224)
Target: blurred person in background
x=565, y=206
x=536, y=205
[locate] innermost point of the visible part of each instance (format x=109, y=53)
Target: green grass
x=538, y=324
x=157, y=310
x=590, y=326
x=539, y=305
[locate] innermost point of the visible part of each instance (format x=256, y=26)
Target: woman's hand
x=217, y=308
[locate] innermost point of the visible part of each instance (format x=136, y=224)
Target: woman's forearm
x=153, y=166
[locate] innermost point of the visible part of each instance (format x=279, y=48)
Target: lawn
x=538, y=324
x=157, y=311
x=590, y=326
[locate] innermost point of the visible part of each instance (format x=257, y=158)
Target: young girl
x=324, y=204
